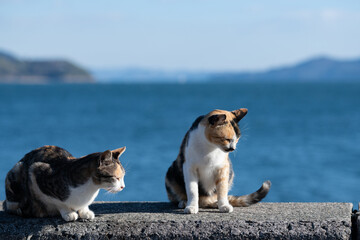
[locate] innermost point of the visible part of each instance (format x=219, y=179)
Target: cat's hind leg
x=86, y=213
x=14, y=191
x=208, y=201
x=176, y=193
x=12, y=207
x=68, y=215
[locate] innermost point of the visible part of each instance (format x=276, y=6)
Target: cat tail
x=247, y=200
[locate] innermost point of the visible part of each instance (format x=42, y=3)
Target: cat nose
x=230, y=149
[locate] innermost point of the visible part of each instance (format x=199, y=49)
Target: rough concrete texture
x=358, y=223
x=358, y=227
x=157, y=220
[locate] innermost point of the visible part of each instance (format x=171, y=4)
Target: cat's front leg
x=191, y=185
x=68, y=215
x=86, y=213
x=222, y=189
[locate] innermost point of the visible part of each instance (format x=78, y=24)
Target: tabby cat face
x=222, y=128
x=110, y=173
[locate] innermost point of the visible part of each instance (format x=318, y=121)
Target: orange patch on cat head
x=235, y=115
x=222, y=127
x=119, y=172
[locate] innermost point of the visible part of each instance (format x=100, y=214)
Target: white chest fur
x=203, y=157
x=80, y=197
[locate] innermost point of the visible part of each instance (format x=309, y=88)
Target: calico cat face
x=110, y=173
x=222, y=128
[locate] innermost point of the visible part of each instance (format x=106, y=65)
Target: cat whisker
x=244, y=137
x=244, y=129
x=127, y=166
x=244, y=126
x=112, y=190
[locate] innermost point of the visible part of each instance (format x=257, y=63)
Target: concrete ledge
x=357, y=219
x=155, y=220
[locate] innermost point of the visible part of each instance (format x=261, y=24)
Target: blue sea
x=304, y=137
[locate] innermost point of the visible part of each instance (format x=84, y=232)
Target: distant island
x=317, y=69
x=14, y=70
x=320, y=69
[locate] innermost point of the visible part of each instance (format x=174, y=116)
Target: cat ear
x=118, y=152
x=105, y=158
x=239, y=114
x=217, y=119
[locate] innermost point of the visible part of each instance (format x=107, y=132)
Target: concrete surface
x=157, y=220
x=358, y=223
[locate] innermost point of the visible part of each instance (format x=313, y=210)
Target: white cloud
x=330, y=15
x=323, y=15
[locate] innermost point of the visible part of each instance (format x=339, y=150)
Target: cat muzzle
x=230, y=149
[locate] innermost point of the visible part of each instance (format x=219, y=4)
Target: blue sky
x=199, y=35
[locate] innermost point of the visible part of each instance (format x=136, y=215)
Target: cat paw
x=191, y=209
x=89, y=215
x=70, y=216
x=226, y=208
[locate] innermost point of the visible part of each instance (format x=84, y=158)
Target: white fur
x=86, y=213
x=119, y=186
x=203, y=159
x=79, y=199
x=234, y=142
x=83, y=195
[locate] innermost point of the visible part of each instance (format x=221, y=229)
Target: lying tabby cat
x=49, y=181
x=202, y=174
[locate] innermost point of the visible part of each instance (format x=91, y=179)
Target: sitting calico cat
x=202, y=174
x=49, y=181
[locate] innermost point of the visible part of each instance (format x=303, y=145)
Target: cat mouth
x=229, y=149
x=115, y=190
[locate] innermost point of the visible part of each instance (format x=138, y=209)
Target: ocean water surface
x=304, y=137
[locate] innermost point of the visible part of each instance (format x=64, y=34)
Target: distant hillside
x=317, y=69
x=14, y=70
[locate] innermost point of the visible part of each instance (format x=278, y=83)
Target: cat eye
x=107, y=176
x=107, y=163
